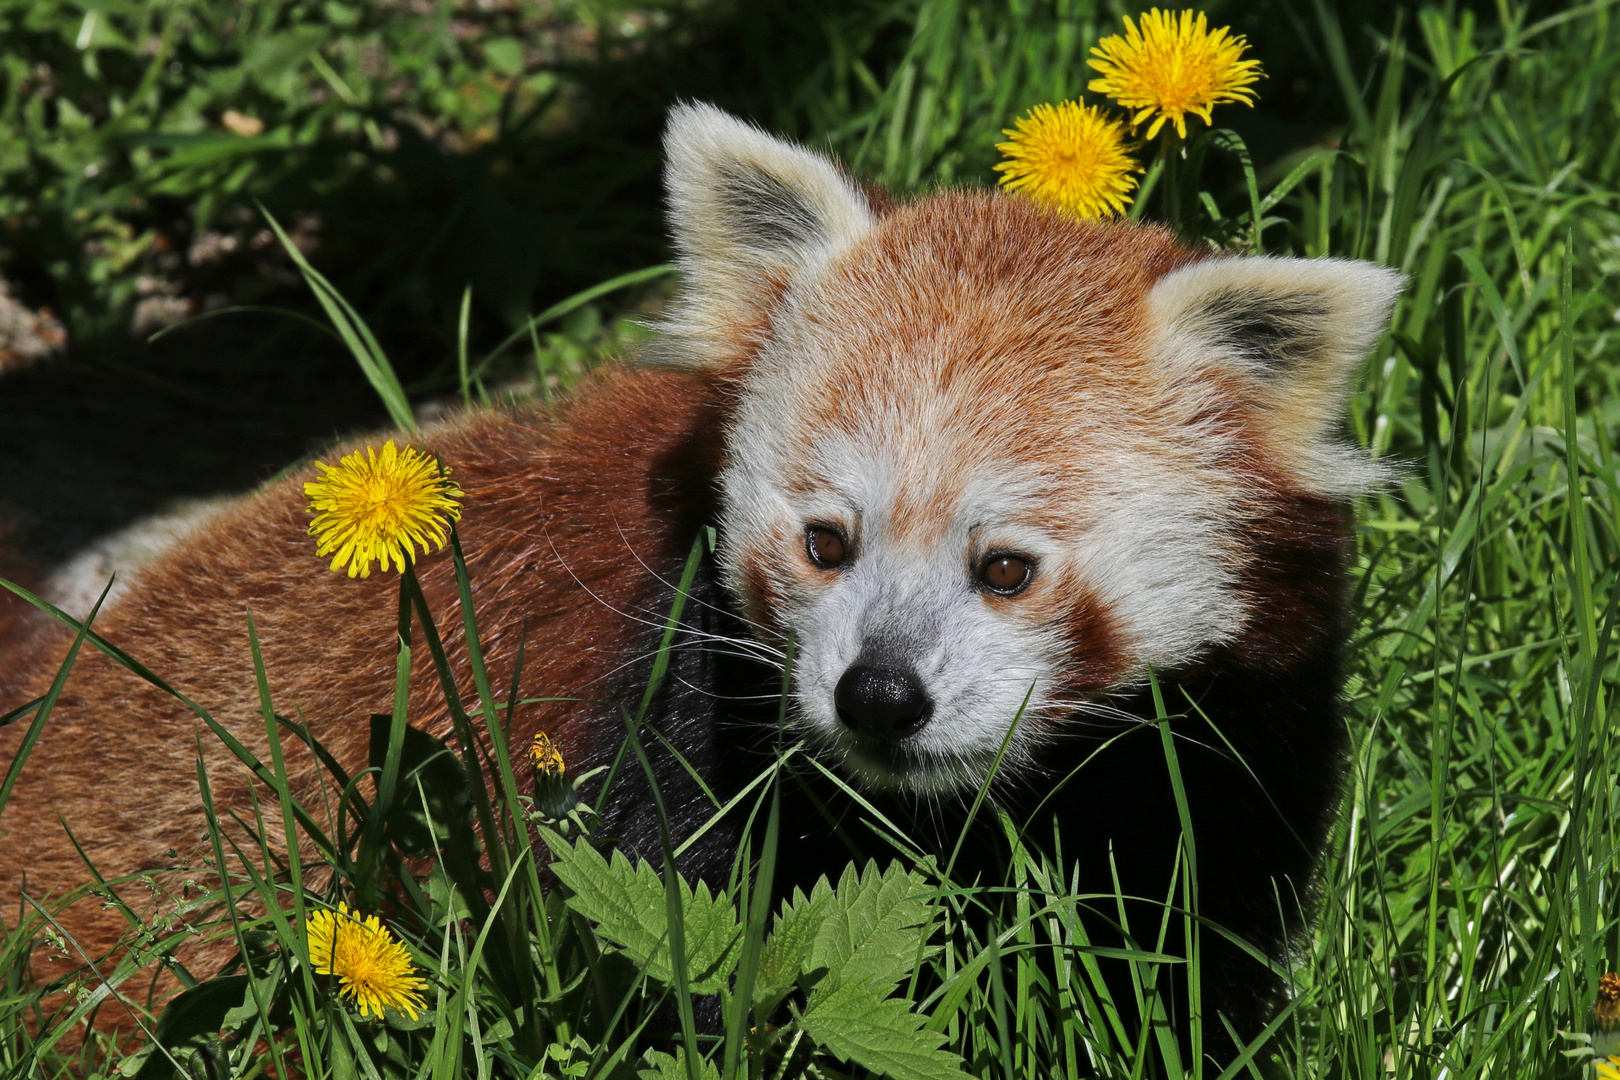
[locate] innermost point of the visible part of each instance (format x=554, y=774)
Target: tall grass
x=1468, y=902
x=1472, y=900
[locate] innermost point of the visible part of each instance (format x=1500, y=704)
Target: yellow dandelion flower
x=1610, y=1070
x=374, y=969
x=1172, y=66
x=380, y=507
x=548, y=760
x=1071, y=157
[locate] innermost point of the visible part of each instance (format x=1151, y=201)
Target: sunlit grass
x=1468, y=906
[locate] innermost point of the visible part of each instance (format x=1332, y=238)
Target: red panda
x=986, y=468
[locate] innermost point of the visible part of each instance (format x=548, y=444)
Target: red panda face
x=986, y=465
x=958, y=407
x=939, y=622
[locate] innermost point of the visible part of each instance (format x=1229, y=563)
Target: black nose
x=882, y=702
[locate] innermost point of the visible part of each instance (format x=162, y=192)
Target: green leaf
x=862, y=938
x=661, y=1066
x=429, y=760
x=505, y=55
x=275, y=55
x=878, y=1033
x=868, y=931
x=627, y=903
x=787, y=950
x=191, y=1020
x=873, y=928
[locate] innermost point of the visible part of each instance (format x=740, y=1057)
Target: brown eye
x=826, y=548
x=1005, y=574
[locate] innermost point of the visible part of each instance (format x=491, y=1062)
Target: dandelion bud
x=554, y=793
x=1606, y=1010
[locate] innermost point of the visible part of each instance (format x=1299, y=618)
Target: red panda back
x=572, y=526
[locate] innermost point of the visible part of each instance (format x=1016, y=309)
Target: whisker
x=675, y=585
x=656, y=621
x=711, y=693
x=687, y=645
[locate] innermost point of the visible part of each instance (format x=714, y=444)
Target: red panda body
x=628, y=460
x=987, y=468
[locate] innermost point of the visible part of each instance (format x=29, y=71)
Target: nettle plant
x=818, y=986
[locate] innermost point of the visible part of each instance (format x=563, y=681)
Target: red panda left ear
x=1292, y=333
x=750, y=213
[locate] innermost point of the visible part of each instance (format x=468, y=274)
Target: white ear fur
x=1296, y=331
x=746, y=208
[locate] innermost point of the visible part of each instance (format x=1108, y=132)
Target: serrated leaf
x=873, y=927
x=627, y=904
x=658, y=1065
x=878, y=1033
x=787, y=950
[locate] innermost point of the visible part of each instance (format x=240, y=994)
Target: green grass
x=1468, y=905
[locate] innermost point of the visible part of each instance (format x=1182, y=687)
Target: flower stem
x=1170, y=181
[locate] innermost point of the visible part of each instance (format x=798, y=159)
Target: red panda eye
x=1006, y=574
x=826, y=548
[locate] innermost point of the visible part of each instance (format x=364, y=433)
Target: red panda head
x=988, y=464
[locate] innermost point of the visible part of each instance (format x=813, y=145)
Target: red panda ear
x=1293, y=333
x=749, y=212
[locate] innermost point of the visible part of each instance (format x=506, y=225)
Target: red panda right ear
x=749, y=213
x=1292, y=332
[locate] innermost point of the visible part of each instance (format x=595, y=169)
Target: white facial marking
x=913, y=604
x=1154, y=550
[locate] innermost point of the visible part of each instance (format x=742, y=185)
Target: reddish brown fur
x=1037, y=321
x=764, y=595
x=1097, y=657
x=1299, y=551
x=563, y=522
x=1029, y=328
